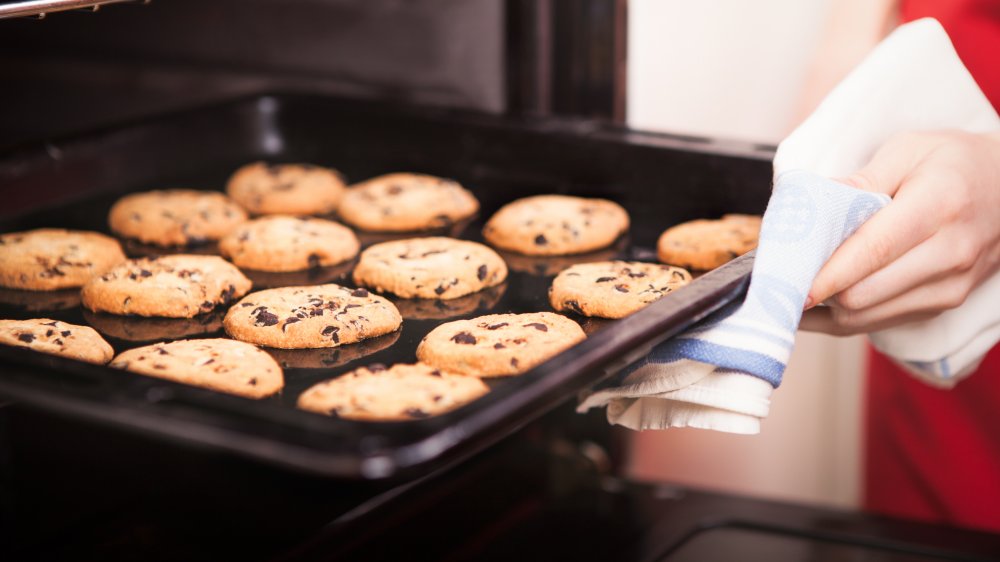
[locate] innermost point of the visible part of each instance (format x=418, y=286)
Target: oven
x=512, y=98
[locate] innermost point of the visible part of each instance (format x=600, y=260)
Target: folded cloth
x=731, y=362
x=720, y=374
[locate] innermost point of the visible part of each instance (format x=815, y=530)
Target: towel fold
x=719, y=375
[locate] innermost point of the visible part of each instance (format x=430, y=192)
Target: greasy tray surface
x=497, y=159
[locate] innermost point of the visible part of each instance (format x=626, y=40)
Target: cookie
x=177, y=286
x=56, y=338
x=175, y=217
x=330, y=357
x=138, y=329
x=399, y=393
x=437, y=309
x=551, y=225
x=406, y=202
x=430, y=268
x=707, y=244
x=548, y=266
x=48, y=259
x=294, y=189
x=218, y=364
x=613, y=289
x=498, y=344
x=284, y=243
x=312, y=316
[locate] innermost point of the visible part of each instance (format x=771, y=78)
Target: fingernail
x=809, y=303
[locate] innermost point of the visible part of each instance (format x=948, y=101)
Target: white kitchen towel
x=912, y=81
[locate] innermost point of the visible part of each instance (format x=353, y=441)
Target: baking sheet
x=659, y=179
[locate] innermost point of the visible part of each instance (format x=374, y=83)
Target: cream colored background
x=734, y=68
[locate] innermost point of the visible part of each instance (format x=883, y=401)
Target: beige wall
x=733, y=68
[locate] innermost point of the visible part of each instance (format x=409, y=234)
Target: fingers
x=893, y=162
x=921, y=303
x=927, y=262
x=893, y=231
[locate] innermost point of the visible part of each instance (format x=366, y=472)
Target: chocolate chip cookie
x=401, y=392
x=293, y=189
x=56, y=338
x=498, y=344
x=219, y=364
x=48, y=259
x=177, y=286
x=707, y=244
x=430, y=268
x=549, y=225
x=311, y=316
x=285, y=243
x=406, y=202
x=613, y=289
x=175, y=217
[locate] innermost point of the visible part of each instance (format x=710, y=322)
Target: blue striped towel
x=807, y=218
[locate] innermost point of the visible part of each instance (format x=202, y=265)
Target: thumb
x=892, y=164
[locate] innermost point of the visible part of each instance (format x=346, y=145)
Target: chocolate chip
x=48, y=333
x=263, y=317
x=394, y=190
x=246, y=304
x=207, y=305
x=621, y=288
x=574, y=306
x=638, y=274
x=227, y=294
x=481, y=272
x=313, y=260
x=496, y=326
x=440, y=289
x=162, y=351
x=145, y=273
x=26, y=338
x=499, y=346
x=538, y=326
x=604, y=279
x=334, y=413
x=332, y=332
x=289, y=320
x=464, y=338
x=513, y=362
x=437, y=397
x=416, y=413
x=540, y=240
x=362, y=293
x=65, y=333
x=253, y=381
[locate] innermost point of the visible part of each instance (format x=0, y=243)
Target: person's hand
x=928, y=249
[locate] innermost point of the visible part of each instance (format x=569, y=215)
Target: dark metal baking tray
x=660, y=179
